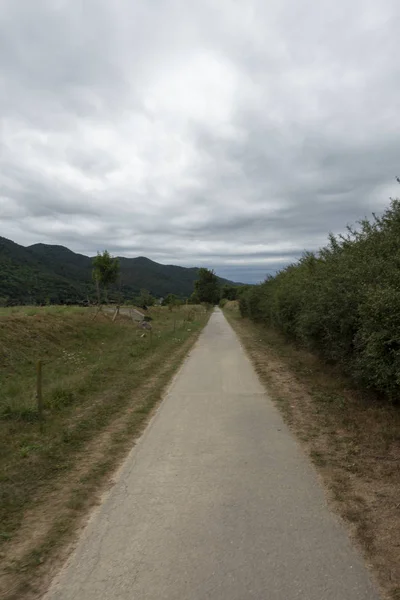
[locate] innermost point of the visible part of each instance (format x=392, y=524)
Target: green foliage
x=193, y=298
x=343, y=302
x=105, y=271
x=206, y=288
x=171, y=300
x=145, y=299
x=61, y=397
x=230, y=292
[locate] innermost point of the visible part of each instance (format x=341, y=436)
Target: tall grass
x=92, y=371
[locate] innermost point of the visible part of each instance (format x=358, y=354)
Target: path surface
x=217, y=502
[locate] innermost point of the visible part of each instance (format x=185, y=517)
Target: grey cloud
x=231, y=135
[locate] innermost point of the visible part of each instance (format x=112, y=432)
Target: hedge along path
x=343, y=302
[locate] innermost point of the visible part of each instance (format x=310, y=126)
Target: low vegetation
x=100, y=381
x=352, y=438
x=343, y=302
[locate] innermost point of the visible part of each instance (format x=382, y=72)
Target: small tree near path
x=105, y=273
x=206, y=288
x=145, y=299
x=171, y=301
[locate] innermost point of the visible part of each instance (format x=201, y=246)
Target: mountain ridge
x=42, y=273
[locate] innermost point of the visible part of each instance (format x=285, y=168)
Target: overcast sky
x=232, y=134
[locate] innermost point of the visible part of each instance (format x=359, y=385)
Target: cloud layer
x=233, y=134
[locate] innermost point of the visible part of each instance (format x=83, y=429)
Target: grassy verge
x=352, y=438
x=100, y=382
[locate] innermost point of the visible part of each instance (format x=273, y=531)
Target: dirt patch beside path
x=352, y=439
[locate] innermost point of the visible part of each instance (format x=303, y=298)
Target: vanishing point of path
x=217, y=501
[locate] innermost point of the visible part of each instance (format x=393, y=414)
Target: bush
x=343, y=302
x=377, y=342
x=60, y=397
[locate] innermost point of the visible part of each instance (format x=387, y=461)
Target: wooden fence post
x=39, y=397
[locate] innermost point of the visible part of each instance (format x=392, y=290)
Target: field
x=352, y=437
x=100, y=381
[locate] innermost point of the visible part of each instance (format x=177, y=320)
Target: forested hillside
x=343, y=302
x=54, y=274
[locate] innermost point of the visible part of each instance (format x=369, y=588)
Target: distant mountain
x=48, y=273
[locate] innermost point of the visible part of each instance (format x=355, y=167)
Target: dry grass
x=352, y=438
x=101, y=382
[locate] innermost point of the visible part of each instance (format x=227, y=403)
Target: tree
x=193, y=298
x=230, y=292
x=145, y=299
x=171, y=300
x=105, y=272
x=206, y=288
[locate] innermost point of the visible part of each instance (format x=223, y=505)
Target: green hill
x=47, y=273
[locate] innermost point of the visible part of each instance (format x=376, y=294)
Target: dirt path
x=216, y=501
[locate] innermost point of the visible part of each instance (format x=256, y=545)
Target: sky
x=233, y=134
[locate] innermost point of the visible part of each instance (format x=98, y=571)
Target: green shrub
x=60, y=397
x=377, y=342
x=343, y=302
